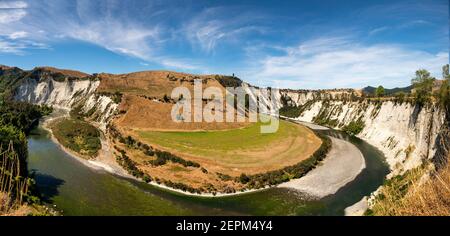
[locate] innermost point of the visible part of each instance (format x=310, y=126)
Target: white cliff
x=404, y=132
x=68, y=94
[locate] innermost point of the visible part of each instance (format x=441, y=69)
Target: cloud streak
x=12, y=11
x=341, y=62
x=86, y=21
x=219, y=25
x=378, y=30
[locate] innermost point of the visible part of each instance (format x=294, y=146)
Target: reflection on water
x=78, y=190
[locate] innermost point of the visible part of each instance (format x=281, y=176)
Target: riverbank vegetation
x=298, y=170
x=78, y=136
x=16, y=121
x=18, y=195
x=354, y=127
x=148, y=163
x=415, y=193
x=14, y=183
x=125, y=161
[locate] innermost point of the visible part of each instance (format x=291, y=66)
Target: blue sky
x=290, y=44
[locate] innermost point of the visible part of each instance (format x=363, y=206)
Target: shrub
x=380, y=91
x=354, y=127
x=244, y=178
x=224, y=177
x=77, y=135
x=423, y=86
x=130, y=166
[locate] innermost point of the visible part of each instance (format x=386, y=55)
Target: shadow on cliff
x=415, y=115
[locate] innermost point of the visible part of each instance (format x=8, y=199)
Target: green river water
x=79, y=190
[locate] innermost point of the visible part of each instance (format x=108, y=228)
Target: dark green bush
x=354, y=127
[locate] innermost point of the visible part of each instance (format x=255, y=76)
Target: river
x=75, y=189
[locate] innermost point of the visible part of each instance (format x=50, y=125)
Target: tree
x=379, y=92
x=400, y=96
x=10, y=134
x=423, y=86
x=166, y=98
x=444, y=91
x=445, y=72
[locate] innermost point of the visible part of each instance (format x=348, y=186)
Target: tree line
x=162, y=157
x=425, y=89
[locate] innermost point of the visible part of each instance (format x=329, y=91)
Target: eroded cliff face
x=406, y=133
x=69, y=94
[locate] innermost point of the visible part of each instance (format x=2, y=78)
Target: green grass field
x=239, y=147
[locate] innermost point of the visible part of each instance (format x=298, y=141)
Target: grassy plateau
x=244, y=148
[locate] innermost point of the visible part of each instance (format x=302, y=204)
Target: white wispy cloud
x=115, y=36
x=97, y=23
x=378, y=30
x=12, y=4
x=12, y=40
x=414, y=23
x=342, y=62
x=19, y=47
x=218, y=24
x=405, y=25
x=12, y=11
x=18, y=35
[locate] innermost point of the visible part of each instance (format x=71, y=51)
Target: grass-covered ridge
x=78, y=136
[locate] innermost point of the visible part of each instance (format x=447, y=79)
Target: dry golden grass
x=151, y=83
x=415, y=195
x=140, y=88
x=9, y=208
x=431, y=198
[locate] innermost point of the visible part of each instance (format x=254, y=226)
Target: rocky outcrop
x=68, y=94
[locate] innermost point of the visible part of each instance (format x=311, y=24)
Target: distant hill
x=369, y=90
